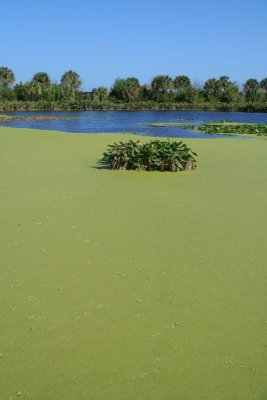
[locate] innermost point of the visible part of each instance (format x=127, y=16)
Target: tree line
x=162, y=89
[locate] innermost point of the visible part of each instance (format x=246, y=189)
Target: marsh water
x=132, y=121
x=131, y=285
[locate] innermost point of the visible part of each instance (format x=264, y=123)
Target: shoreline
x=84, y=105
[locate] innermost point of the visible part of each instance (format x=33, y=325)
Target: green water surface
x=126, y=285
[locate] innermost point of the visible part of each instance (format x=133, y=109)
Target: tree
x=6, y=93
x=54, y=93
x=145, y=93
x=181, y=82
x=70, y=83
x=34, y=90
x=263, y=84
x=228, y=91
x=263, y=87
x=161, y=84
x=100, y=94
x=29, y=91
x=126, y=89
x=7, y=76
x=211, y=90
x=183, y=88
x=221, y=89
x=43, y=79
x=251, y=89
x=21, y=91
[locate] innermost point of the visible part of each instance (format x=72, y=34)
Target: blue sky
x=103, y=40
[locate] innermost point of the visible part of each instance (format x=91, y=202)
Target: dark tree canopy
x=126, y=89
x=161, y=84
x=251, y=89
x=7, y=76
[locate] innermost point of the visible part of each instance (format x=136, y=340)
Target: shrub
x=156, y=155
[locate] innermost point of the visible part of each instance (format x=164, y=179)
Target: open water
x=133, y=121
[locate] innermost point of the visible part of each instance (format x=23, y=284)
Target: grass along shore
x=131, y=285
x=90, y=105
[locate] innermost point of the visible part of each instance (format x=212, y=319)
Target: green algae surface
x=131, y=285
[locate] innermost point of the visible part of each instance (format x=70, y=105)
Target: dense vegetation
x=234, y=128
x=156, y=155
x=224, y=127
x=163, y=93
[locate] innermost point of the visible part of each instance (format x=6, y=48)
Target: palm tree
x=43, y=79
x=228, y=91
x=126, y=89
x=132, y=89
x=100, y=94
x=251, y=89
x=70, y=81
x=7, y=76
x=181, y=82
x=161, y=84
x=183, y=88
x=263, y=86
x=211, y=89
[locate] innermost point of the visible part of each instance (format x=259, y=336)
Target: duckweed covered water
x=131, y=285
